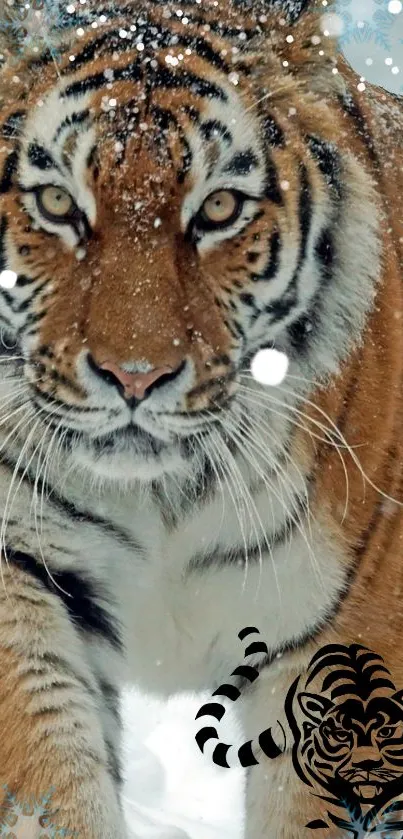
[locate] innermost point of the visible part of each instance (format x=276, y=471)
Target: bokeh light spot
x=269, y=367
x=8, y=279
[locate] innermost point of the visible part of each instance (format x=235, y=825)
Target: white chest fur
x=183, y=622
x=185, y=596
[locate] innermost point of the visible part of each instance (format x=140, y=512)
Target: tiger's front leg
x=52, y=734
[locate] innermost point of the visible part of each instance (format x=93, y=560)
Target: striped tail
x=245, y=755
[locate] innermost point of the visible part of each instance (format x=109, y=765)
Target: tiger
x=350, y=741
x=184, y=186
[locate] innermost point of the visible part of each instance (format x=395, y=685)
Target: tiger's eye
x=55, y=202
x=386, y=731
x=342, y=736
x=220, y=206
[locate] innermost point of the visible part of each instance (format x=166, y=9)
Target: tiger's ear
x=314, y=707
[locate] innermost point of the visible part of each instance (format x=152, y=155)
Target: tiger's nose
x=131, y=384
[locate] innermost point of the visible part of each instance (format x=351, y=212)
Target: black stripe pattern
x=149, y=33
x=160, y=77
x=79, y=595
x=235, y=555
x=280, y=309
x=293, y=9
x=11, y=128
x=360, y=671
x=245, y=755
x=3, y=230
x=9, y=170
x=39, y=157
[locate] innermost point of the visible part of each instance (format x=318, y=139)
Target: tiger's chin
x=122, y=459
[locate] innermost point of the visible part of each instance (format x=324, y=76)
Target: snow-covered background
x=169, y=782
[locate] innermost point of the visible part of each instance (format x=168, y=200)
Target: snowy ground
x=169, y=781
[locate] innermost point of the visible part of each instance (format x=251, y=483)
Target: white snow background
x=168, y=780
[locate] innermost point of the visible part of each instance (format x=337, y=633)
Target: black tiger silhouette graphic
x=346, y=718
x=348, y=737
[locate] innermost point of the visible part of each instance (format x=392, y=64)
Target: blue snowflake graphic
x=15, y=812
x=371, y=40
x=365, y=20
x=31, y=24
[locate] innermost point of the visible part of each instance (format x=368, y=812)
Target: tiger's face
x=165, y=224
x=354, y=748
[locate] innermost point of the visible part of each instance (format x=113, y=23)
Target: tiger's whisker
x=218, y=442
x=365, y=477
x=288, y=408
x=253, y=443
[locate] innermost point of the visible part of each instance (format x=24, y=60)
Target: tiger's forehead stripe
x=153, y=32
x=146, y=35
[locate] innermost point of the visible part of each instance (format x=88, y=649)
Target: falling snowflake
x=18, y=818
